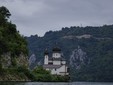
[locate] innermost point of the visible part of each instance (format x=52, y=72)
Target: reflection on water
x=54, y=83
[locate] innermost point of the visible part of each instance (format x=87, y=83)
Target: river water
x=55, y=83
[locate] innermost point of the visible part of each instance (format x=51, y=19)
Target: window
x=55, y=69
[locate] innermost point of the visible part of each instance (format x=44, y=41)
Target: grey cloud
x=39, y=16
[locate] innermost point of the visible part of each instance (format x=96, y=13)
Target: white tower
x=46, y=57
x=56, y=52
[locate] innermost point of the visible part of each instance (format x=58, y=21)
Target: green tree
x=4, y=15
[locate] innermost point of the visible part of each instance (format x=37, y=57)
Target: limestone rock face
x=10, y=64
x=22, y=60
x=32, y=59
x=7, y=60
x=78, y=58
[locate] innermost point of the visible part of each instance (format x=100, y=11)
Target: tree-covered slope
x=13, y=49
x=14, y=55
x=88, y=50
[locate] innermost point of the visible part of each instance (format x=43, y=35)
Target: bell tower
x=56, y=52
x=46, y=57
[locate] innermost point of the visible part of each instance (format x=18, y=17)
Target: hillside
x=14, y=55
x=13, y=50
x=88, y=50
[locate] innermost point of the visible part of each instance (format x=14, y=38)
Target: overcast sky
x=39, y=16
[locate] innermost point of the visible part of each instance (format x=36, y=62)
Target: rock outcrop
x=7, y=60
x=78, y=58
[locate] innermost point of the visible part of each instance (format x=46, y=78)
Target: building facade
x=55, y=64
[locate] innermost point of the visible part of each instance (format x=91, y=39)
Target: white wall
x=56, y=55
x=59, y=62
x=59, y=71
x=56, y=62
x=50, y=61
x=46, y=59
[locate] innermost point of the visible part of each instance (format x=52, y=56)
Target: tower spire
x=46, y=52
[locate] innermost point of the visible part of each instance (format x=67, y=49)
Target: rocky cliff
x=7, y=60
x=78, y=58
